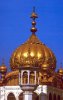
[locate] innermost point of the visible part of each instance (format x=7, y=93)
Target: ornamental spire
x=33, y=16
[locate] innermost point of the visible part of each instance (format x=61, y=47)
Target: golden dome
x=32, y=53
x=3, y=69
x=60, y=71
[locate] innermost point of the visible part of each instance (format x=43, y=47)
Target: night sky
x=15, y=24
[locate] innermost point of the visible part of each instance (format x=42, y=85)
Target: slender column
x=35, y=77
x=19, y=78
x=28, y=76
x=27, y=95
x=38, y=78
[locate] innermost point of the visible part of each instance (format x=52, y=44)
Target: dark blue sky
x=15, y=25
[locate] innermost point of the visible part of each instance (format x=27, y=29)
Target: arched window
x=25, y=77
x=11, y=97
x=21, y=96
x=32, y=77
x=54, y=97
x=50, y=96
x=58, y=97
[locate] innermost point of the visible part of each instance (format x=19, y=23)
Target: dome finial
x=33, y=16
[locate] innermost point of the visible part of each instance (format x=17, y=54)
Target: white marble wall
x=16, y=90
x=5, y=90
x=41, y=89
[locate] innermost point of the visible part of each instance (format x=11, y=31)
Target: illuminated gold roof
x=60, y=71
x=11, y=74
x=33, y=53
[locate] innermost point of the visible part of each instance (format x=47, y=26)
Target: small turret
x=3, y=71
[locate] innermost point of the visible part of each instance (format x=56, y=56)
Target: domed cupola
x=60, y=71
x=3, y=70
x=33, y=52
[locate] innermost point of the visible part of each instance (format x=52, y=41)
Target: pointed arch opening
x=11, y=96
x=58, y=97
x=50, y=96
x=54, y=97
x=25, y=77
x=32, y=77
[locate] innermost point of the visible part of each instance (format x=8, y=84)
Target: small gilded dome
x=32, y=53
x=60, y=71
x=3, y=69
